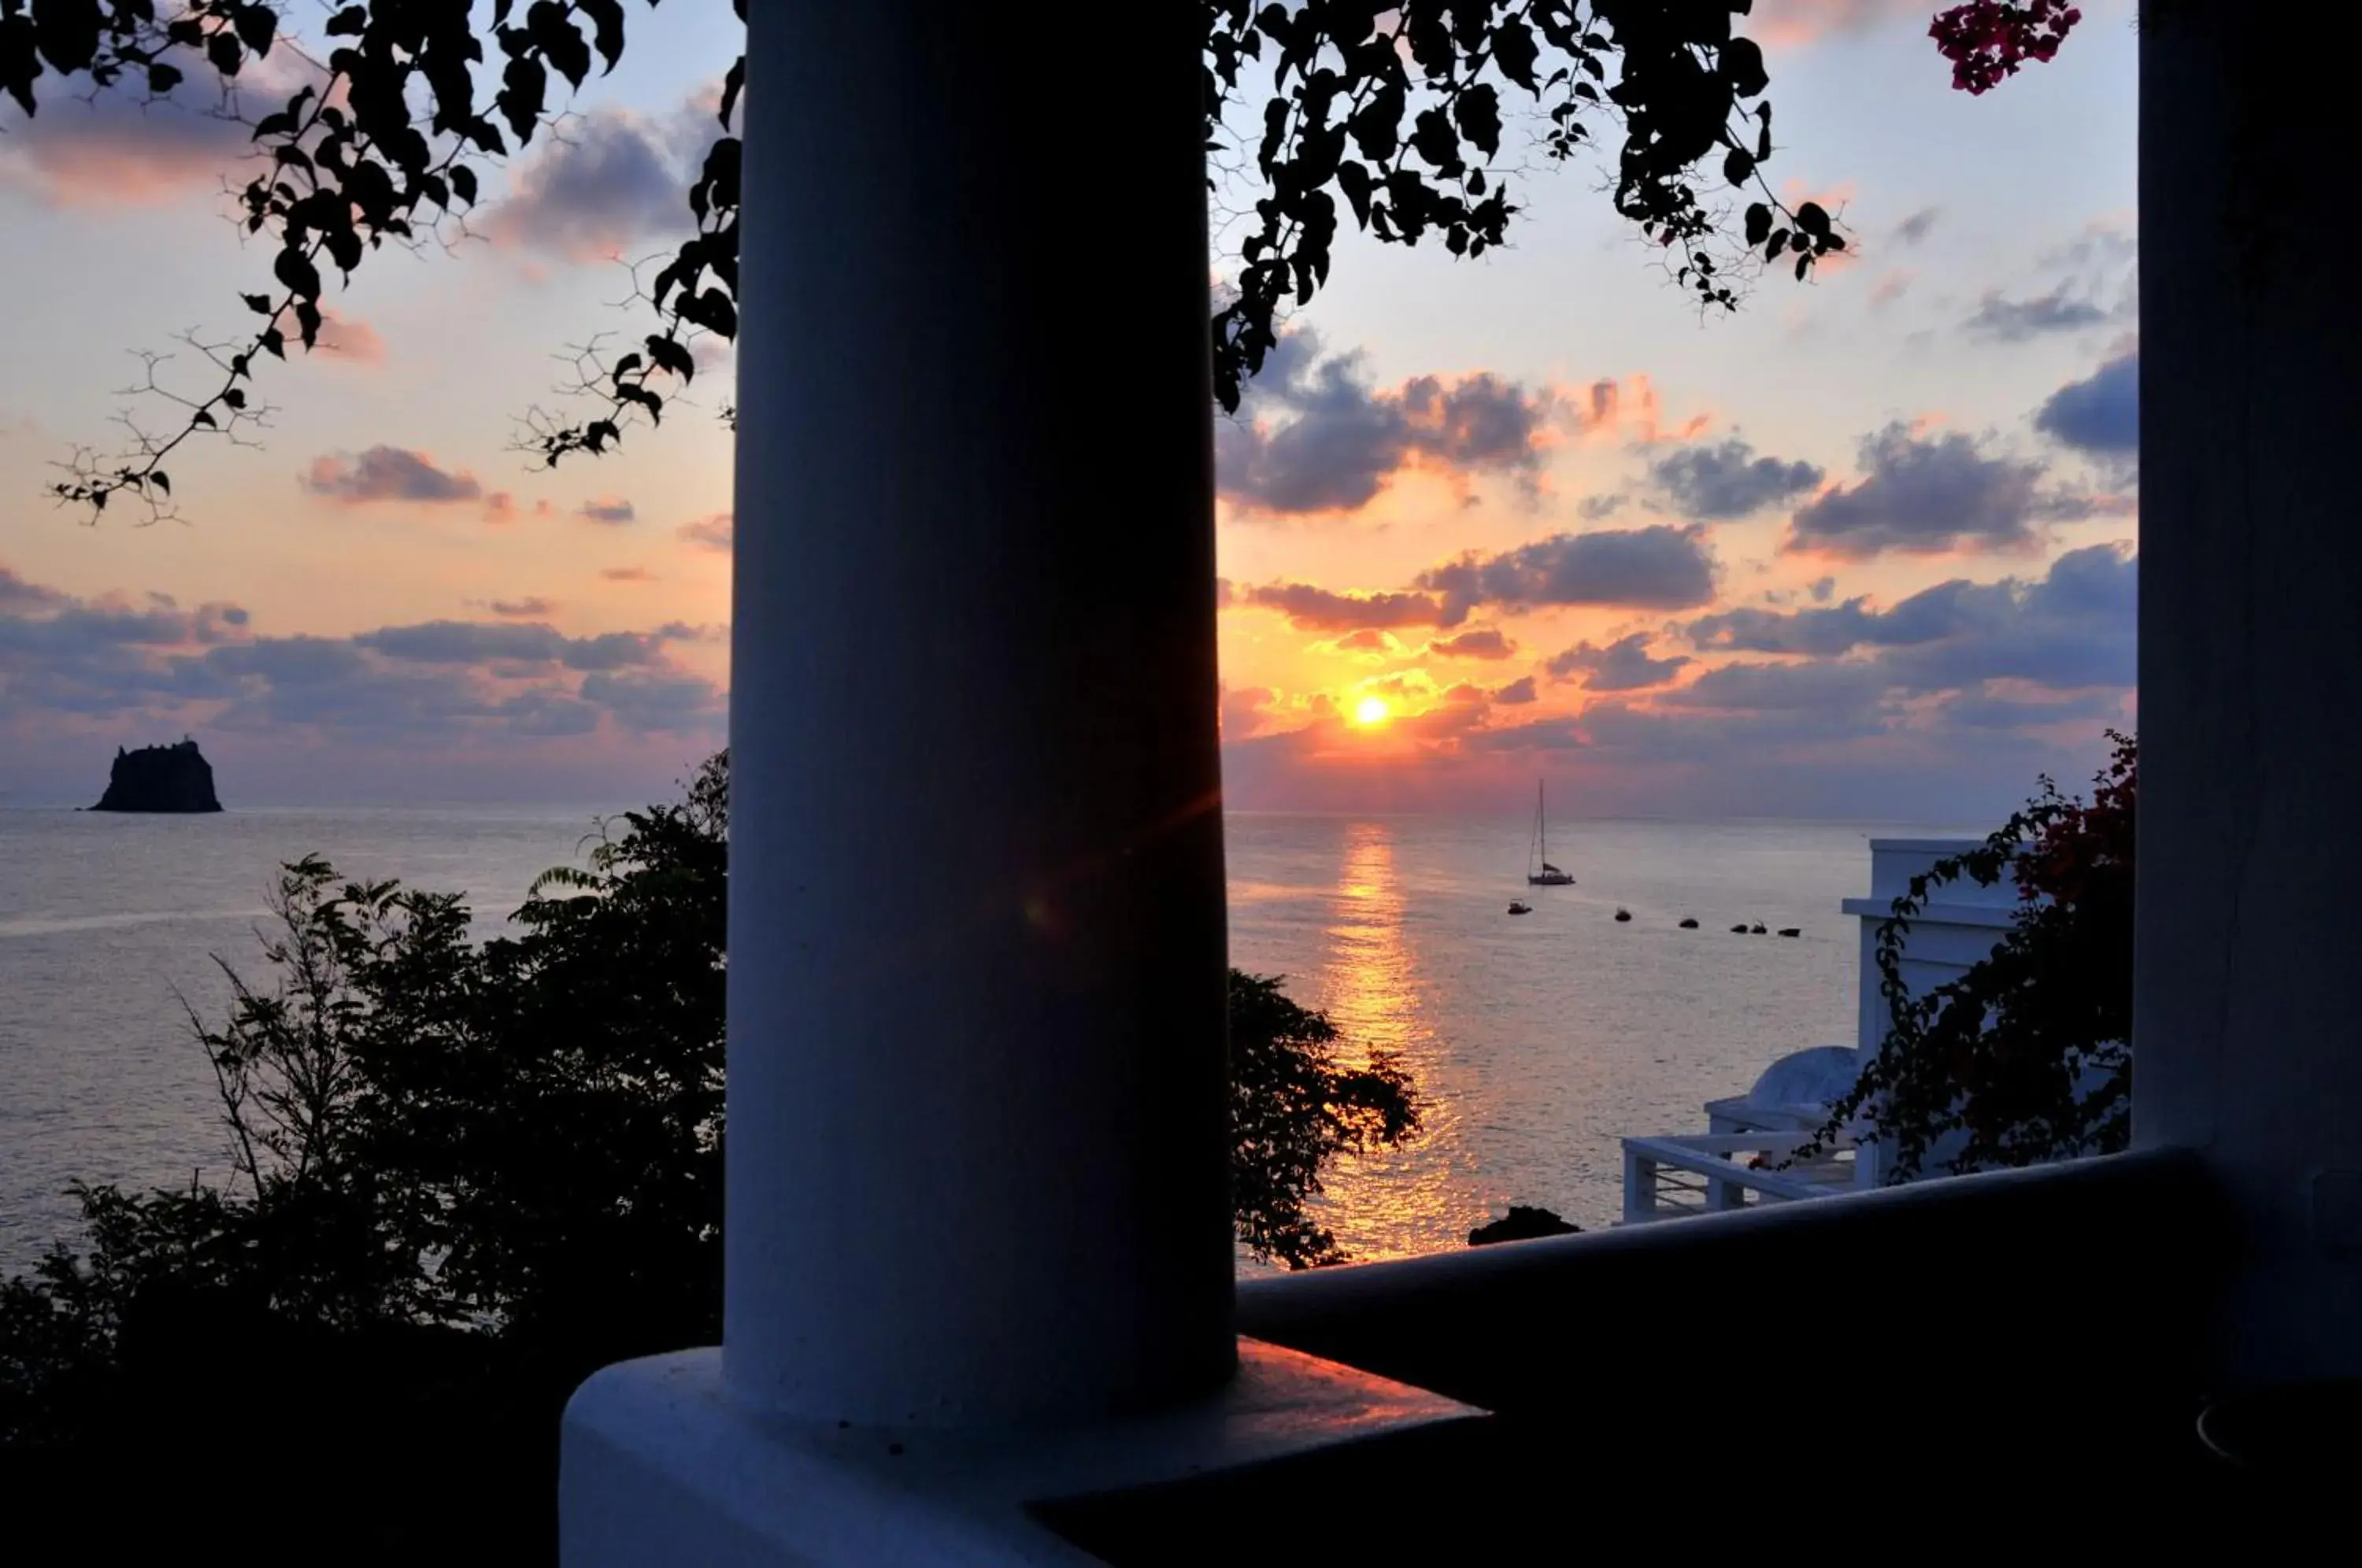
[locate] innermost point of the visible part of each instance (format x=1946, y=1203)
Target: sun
x=1371, y=711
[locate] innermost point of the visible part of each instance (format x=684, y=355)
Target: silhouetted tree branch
x=1395, y=113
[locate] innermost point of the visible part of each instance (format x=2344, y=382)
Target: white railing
x=1715, y=1173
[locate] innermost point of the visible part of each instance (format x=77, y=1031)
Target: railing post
x=1639, y=1187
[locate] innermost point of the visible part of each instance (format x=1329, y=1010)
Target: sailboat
x=1548, y=875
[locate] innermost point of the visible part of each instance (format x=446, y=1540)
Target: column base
x=659, y=1467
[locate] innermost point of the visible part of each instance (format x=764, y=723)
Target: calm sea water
x=1536, y=1041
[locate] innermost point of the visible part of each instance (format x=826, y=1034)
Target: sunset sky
x=1864, y=550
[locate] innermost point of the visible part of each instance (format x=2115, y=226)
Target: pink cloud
x=388, y=473
x=1608, y=409
x=115, y=151
x=342, y=337
x=1790, y=22
x=121, y=147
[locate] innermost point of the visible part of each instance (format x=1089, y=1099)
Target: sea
x=1536, y=1041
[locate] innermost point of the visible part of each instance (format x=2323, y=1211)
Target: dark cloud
x=611, y=179
x=388, y=473
x=1598, y=508
x=549, y=713
x=718, y=532
x=628, y=574
x=19, y=596
x=669, y=701
x=611, y=509
x=528, y=609
x=1981, y=710
x=487, y=642
x=1625, y=664
x=1484, y=642
x=2073, y=627
x=1316, y=435
x=1517, y=692
x=1915, y=228
x=2100, y=413
x=2005, y=320
x=1657, y=567
x=1729, y=479
x=1311, y=609
x=1928, y=494
x=1820, y=687
x=149, y=664
x=1244, y=710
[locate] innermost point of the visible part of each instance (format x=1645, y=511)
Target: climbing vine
x=2027, y=1057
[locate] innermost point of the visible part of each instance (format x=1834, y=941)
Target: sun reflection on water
x=1388, y=1204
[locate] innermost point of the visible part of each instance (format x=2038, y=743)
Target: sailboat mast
x=1541, y=823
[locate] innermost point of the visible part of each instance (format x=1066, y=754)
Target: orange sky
x=1557, y=523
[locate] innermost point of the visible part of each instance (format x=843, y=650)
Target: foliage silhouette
x=510, y=1153
x=2027, y=1056
x=1398, y=111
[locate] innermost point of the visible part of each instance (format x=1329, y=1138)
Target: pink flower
x=1988, y=39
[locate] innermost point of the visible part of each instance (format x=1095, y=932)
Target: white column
x=2248, y=993
x=976, y=1164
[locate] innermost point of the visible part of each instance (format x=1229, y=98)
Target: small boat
x=1548, y=875
x=1738, y=930
x=1689, y=922
x=1756, y=930
x=1622, y=915
x=1518, y=906
x=1792, y=931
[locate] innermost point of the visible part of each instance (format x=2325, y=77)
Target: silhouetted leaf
x=1354, y=180
x=1478, y=114
x=295, y=270
x=607, y=18
x=257, y=27
x=553, y=30
x=1742, y=67
x=1432, y=138
x=523, y=84
x=20, y=64
x=68, y=32
x=671, y=355
x=732, y=83
x=1515, y=53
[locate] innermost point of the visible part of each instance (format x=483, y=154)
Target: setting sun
x=1371, y=711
